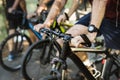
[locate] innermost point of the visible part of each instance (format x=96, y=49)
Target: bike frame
x=67, y=51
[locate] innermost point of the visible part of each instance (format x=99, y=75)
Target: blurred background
x=31, y=6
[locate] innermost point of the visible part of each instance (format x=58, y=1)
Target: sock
x=87, y=63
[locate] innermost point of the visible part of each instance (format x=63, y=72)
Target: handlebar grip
x=87, y=41
x=42, y=30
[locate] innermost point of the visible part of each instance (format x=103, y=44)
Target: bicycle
x=21, y=42
x=40, y=58
x=61, y=69
x=44, y=46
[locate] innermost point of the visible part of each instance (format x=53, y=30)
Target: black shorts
x=14, y=20
x=13, y=24
x=23, y=24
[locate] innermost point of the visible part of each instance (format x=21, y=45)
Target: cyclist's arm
x=65, y=16
x=23, y=5
x=73, y=7
x=15, y=4
x=98, y=11
x=55, y=10
x=42, y=6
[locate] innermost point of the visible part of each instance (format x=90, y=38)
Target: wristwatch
x=92, y=28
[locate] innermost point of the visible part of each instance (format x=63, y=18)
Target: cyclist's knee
x=11, y=31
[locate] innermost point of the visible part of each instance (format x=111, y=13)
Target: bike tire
x=80, y=71
x=36, y=57
x=21, y=42
x=112, y=70
x=72, y=71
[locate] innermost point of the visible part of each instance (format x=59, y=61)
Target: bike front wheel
x=19, y=43
x=36, y=63
x=112, y=69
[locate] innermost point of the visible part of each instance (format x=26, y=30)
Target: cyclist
x=14, y=20
x=46, y=5
x=57, y=7
x=78, y=5
x=51, y=16
x=104, y=19
x=41, y=6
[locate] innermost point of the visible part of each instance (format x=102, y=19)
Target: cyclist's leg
x=32, y=36
x=12, y=27
x=112, y=39
x=10, y=42
x=11, y=31
x=30, y=32
x=78, y=29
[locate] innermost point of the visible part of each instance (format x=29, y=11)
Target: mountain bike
x=68, y=66
x=21, y=41
x=40, y=53
x=40, y=58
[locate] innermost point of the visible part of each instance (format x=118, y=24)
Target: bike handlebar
x=59, y=34
x=66, y=37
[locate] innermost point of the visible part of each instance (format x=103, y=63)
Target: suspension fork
x=45, y=55
x=110, y=59
x=59, y=63
x=63, y=56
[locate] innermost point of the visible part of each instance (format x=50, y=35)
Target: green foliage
x=68, y=4
x=2, y=23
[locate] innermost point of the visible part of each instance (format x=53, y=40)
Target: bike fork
x=104, y=67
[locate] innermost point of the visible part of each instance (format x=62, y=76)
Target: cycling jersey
x=111, y=9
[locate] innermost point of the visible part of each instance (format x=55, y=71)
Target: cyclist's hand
x=40, y=9
x=76, y=41
x=10, y=10
x=38, y=27
x=62, y=18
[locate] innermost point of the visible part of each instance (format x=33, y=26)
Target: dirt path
x=6, y=75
